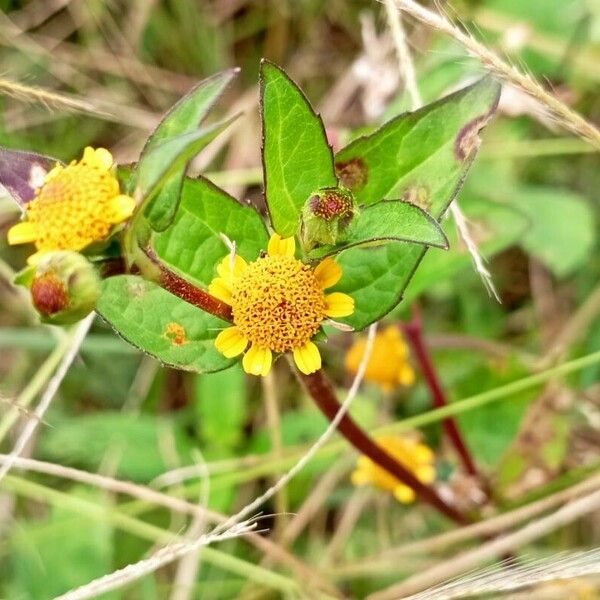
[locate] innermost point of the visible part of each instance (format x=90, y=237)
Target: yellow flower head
x=77, y=205
x=388, y=363
x=416, y=457
x=278, y=304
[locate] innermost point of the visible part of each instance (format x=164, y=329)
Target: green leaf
x=390, y=220
x=490, y=429
x=193, y=244
x=420, y=154
x=184, y=117
x=166, y=159
x=421, y=157
x=160, y=324
x=297, y=159
x=562, y=232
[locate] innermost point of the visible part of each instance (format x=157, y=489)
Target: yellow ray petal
x=404, y=494
x=22, y=233
x=423, y=453
x=231, y=342
x=257, y=361
x=328, y=273
x=360, y=477
x=338, y=305
x=225, y=270
x=122, y=208
x=307, y=358
x=279, y=246
x=425, y=473
x=406, y=375
x=220, y=288
x=100, y=158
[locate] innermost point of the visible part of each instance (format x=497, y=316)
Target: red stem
x=187, y=291
x=318, y=386
x=414, y=332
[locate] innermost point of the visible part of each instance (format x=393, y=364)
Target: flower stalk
x=413, y=330
x=322, y=392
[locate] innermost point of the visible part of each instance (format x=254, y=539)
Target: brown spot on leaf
x=175, y=333
x=418, y=195
x=468, y=140
x=352, y=174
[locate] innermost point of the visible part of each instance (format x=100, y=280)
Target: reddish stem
x=414, y=332
x=187, y=291
x=319, y=387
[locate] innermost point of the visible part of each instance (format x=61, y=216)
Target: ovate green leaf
x=297, y=160
x=562, y=232
x=170, y=157
x=150, y=318
x=184, y=117
x=193, y=244
x=391, y=220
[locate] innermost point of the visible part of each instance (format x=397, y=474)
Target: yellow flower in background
x=77, y=205
x=278, y=304
x=415, y=456
x=388, y=364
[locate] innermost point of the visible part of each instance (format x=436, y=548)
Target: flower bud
x=64, y=287
x=326, y=216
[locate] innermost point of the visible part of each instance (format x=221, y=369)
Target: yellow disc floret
x=77, y=205
x=278, y=304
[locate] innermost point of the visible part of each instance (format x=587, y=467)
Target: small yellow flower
x=77, y=205
x=388, y=364
x=416, y=457
x=278, y=304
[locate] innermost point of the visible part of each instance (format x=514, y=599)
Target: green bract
x=400, y=178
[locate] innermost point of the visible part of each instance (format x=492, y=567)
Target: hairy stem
x=187, y=291
x=320, y=389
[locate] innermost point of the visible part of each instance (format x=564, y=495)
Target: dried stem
x=470, y=559
x=79, y=333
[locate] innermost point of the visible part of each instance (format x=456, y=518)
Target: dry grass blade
x=564, y=116
x=407, y=71
x=48, y=395
x=497, y=547
x=507, y=577
x=49, y=98
x=144, y=567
